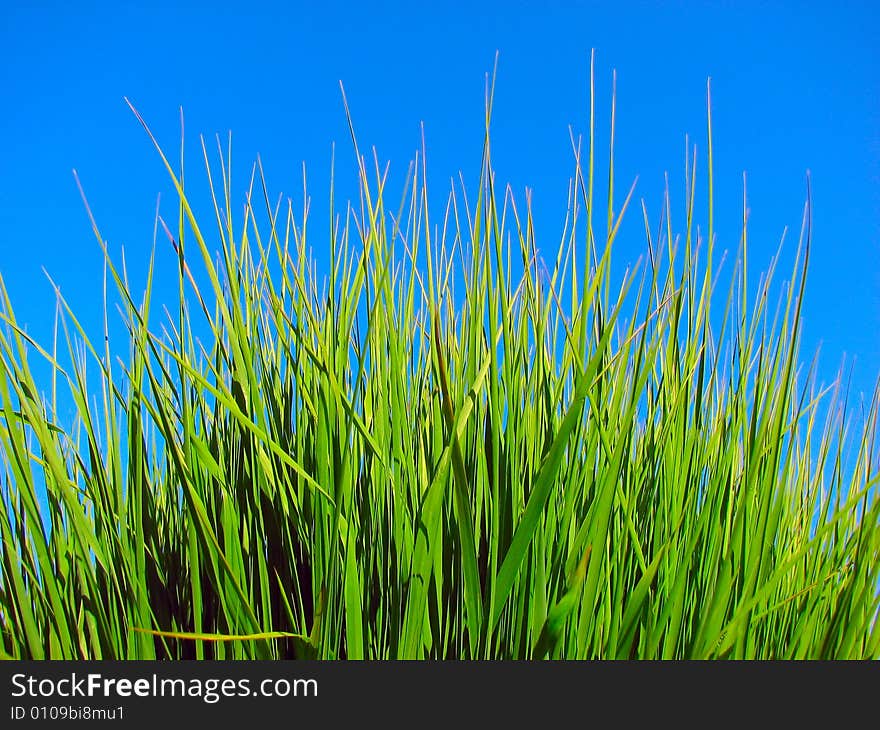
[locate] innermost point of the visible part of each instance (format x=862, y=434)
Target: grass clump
x=529, y=465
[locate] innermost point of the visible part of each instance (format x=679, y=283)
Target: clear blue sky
x=796, y=86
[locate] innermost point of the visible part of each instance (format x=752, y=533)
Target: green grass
x=454, y=449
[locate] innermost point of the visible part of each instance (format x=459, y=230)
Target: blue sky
x=795, y=86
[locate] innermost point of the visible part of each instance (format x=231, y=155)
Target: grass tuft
x=540, y=465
